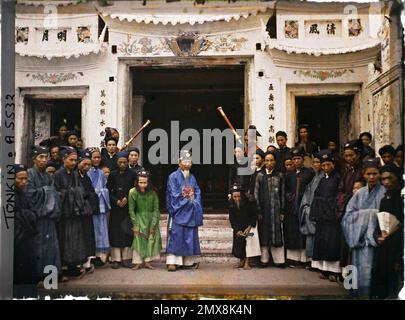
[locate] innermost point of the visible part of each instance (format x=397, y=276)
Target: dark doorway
x=327, y=117
x=191, y=96
x=47, y=115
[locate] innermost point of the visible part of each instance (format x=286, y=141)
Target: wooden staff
x=135, y=135
x=238, y=138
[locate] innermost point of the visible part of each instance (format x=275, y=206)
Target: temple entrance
x=327, y=117
x=191, y=97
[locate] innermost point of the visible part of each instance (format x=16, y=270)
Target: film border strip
x=7, y=147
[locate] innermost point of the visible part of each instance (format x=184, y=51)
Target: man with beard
x=44, y=200
x=295, y=184
x=183, y=203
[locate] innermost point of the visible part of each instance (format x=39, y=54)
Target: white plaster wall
x=280, y=69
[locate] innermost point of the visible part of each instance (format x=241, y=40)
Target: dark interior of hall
x=191, y=96
x=327, y=117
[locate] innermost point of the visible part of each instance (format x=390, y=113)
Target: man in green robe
x=144, y=212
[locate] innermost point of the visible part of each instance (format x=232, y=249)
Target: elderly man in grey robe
x=359, y=224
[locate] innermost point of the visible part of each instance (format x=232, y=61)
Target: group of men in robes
x=318, y=209
x=81, y=216
x=295, y=207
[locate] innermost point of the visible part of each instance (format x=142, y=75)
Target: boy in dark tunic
x=326, y=253
x=44, y=200
x=387, y=274
x=83, y=167
x=353, y=172
x=242, y=215
x=295, y=185
x=25, y=220
x=119, y=183
x=71, y=232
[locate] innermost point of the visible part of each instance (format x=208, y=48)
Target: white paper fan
x=388, y=222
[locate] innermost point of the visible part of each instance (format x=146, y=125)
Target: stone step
x=210, y=245
x=207, y=216
x=208, y=233
x=215, y=238
x=227, y=258
x=206, y=223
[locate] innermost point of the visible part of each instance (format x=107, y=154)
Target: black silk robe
x=71, y=232
x=88, y=227
x=25, y=230
x=269, y=194
x=328, y=231
x=385, y=281
x=120, y=226
x=295, y=185
x=44, y=200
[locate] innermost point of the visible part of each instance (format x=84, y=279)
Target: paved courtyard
x=211, y=280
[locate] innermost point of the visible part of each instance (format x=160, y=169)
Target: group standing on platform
x=323, y=211
x=301, y=207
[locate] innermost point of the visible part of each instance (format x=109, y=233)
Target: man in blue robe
x=359, y=224
x=183, y=203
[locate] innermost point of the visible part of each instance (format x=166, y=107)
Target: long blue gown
x=185, y=215
x=359, y=224
x=99, y=182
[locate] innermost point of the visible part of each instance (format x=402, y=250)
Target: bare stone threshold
x=211, y=280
